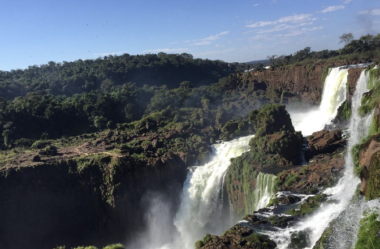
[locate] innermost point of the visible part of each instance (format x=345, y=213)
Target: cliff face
x=298, y=84
x=369, y=165
x=306, y=82
x=69, y=203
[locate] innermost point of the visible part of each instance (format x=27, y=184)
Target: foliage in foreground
x=368, y=236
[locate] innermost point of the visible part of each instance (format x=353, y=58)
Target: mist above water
x=334, y=94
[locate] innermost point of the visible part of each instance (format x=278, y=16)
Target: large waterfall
x=200, y=211
x=341, y=194
x=334, y=94
x=201, y=208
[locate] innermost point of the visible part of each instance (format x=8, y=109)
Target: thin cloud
x=287, y=19
x=302, y=31
x=202, y=43
x=208, y=40
x=374, y=12
x=166, y=50
x=332, y=8
x=347, y=1
x=282, y=27
x=256, y=4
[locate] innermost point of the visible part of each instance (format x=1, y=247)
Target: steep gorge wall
x=299, y=83
x=65, y=204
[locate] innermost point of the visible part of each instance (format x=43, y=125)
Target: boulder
x=325, y=141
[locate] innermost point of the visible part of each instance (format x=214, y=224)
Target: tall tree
x=346, y=38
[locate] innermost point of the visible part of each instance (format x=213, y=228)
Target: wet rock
x=300, y=239
x=325, y=141
x=290, y=199
x=323, y=171
x=234, y=238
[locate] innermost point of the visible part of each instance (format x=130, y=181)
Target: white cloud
x=207, y=40
x=201, y=43
x=282, y=27
x=347, y=1
x=302, y=31
x=287, y=19
x=258, y=37
x=256, y=4
x=332, y=8
x=374, y=12
x=166, y=50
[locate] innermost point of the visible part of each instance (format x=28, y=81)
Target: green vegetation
x=365, y=48
x=290, y=179
x=309, y=206
x=275, y=139
x=373, y=181
x=203, y=242
x=70, y=78
x=368, y=236
x=355, y=154
x=325, y=73
x=271, y=118
x=370, y=100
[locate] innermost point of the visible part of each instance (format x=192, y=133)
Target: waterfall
x=260, y=197
x=341, y=194
x=334, y=94
x=200, y=211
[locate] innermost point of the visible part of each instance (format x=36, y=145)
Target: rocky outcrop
x=234, y=238
x=325, y=142
x=275, y=144
x=275, y=141
x=324, y=170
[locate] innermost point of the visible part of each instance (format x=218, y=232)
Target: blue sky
x=39, y=31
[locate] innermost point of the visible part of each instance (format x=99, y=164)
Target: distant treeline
x=366, y=48
x=39, y=115
x=69, y=78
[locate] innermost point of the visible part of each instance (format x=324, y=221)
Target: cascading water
x=334, y=94
x=200, y=210
x=263, y=192
x=341, y=194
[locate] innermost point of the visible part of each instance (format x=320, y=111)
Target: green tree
x=346, y=38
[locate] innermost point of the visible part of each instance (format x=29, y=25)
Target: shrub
x=114, y=246
x=359, y=170
x=24, y=142
x=355, y=154
x=40, y=144
x=290, y=179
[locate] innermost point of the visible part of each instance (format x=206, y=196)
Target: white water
x=334, y=94
x=200, y=211
x=263, y=192
x=342, y=192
